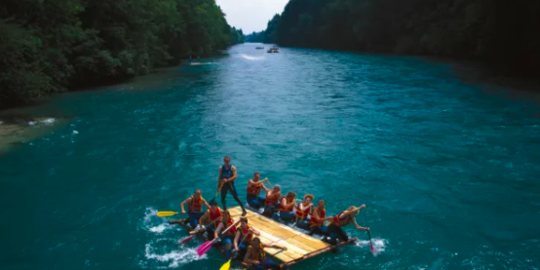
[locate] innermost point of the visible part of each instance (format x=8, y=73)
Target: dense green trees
x=482, y=29
x=256, y=37
x=268, y=35
x=48, y=46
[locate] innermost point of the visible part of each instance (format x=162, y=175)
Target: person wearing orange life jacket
x=243, y=237
x=227, y=238
x=318, y=217
x=256, y=256
x=335, y=229
x=211, y=216
x=253, y=189
x=195, y=209
x=271, y=203
x=303, y=210
x=285, y=213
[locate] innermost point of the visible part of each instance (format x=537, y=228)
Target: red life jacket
x=335, y=219
x=302, y=214
x=288, y=209
x=261, y=256
x=274, y=200
x=315, y=222
x=244, y=232
x=341, y=222
x=214, y=216
x=228, y=224
x=254, y=189
x=196, y=204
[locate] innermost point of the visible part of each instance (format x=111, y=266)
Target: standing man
x=227, y=175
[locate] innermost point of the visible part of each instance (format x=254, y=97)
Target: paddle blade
x=166, y=213
x=226, y=266
x=373, y=250
x=202, y=249
x=187, y=239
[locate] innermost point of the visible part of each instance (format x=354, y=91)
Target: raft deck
x=300, y=246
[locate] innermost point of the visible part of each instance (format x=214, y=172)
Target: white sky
x=251, y=15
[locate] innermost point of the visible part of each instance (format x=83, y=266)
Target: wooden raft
x=300, y=246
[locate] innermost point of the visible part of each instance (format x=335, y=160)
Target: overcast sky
x=251, y=15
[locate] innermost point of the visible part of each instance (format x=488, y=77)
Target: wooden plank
x=310, y=241
x=298, y=244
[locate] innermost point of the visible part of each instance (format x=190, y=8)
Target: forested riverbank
x=497, y=32
x=55, y=45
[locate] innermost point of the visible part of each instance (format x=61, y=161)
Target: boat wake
x=252, y=58
x=163, y=250
x=379, y=244
x=169, y=258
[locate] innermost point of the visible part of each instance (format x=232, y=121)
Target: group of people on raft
x=243, y=239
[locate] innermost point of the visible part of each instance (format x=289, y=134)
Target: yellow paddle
x=226, y=266
x=166, y=213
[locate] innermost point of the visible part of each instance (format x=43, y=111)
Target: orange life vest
x=228, y=224
x=284, y=209
x=302, y=214
x=272, y=200
x=341, y=222
x=214, y=216
x=316, y=222
x=196, y=204
x=258, y=256
x=244, y=232
x=254, y=189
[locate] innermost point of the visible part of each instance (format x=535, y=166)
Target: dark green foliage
x=507, y=32
x=268, y=35
x=236, y=36
x=48, y=46
x=255, y=37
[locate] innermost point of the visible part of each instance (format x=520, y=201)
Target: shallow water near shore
x=449, y=169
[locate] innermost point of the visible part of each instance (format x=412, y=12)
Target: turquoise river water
x=449, y=169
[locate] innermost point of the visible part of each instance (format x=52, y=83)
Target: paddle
x=227, y=265
x=202, y=249
x=166, y=213
x=200, y=230
x=217, y=192
x=371, y=247
x=187, y=239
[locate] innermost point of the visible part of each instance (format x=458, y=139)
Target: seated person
x=253, y=189
x=271, y=203
x=256, y=256
x=226, y=238
x=285, y=213
x=303, y=210
x=195, y=209
x=243, y=237
x=318, y=217
x=341, y=220
x=210, y=220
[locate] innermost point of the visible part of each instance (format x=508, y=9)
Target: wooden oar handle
x=200, y=230
x=234, y=224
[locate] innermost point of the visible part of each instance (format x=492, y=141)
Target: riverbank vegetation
x=488, y=30
x=53, y=45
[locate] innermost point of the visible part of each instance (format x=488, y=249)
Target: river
x=449, y=168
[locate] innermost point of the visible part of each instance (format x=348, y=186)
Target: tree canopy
x=268, y=35
x=53, y=45
x=483, y=29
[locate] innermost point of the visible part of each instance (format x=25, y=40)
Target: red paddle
x=202, y=249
